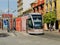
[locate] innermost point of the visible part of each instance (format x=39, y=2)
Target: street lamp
x=8, y=21
x=8, y=6
x=8, y=27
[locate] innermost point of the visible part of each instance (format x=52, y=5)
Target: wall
x=8, y=17
x=18, y=24
x=38, y=6
x=58, y=12
x=24, y=18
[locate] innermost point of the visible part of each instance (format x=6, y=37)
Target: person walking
x=8, y=28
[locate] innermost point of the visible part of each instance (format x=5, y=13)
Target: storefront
x=8, y=17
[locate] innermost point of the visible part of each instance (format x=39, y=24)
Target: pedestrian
x=50, y=27
x=53, y=28
x=8, y=28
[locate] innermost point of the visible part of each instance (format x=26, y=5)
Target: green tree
x=49, y=18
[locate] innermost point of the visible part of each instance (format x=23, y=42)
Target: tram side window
x=30, y=24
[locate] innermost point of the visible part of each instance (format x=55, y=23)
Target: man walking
x=8, y=28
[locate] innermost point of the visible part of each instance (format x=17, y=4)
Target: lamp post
x=8, y=20
x=8, y=7
x=8, y=27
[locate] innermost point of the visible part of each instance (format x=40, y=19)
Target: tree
x=49, y=18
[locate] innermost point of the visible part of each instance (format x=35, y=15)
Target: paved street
x=26, y=39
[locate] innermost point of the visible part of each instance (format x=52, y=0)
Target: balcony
x=20, y=9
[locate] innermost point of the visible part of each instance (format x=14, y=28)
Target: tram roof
x=34, y=13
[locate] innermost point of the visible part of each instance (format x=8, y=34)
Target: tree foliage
x=49, y=17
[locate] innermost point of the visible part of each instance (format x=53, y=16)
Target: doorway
x=56, y=25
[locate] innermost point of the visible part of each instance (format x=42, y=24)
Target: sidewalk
x=3, y=31
x=21, y=33
x=55, y=32
x=9, y=33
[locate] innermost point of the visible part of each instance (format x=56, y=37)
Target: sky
x=13, y=5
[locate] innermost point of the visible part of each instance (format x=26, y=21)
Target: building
x=53, y=5
x=1, y=26
x=58, y=13
x=38, y=6
x=50, y=5
x=28, y=11
x=8, y=17
x=20, y=7
x=21, y=19
x=44, y=6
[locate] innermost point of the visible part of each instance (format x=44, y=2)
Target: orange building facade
x=38, y=6
x=18, y=24
x=21, y=23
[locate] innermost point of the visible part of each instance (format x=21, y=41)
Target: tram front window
x=37, y=25
x=35, y=17
x=37, y=21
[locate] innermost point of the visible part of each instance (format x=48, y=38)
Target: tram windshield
x=39, y=17
x=37, y=21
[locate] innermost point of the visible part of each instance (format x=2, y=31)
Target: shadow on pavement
x=37, y=34
x=4, y=35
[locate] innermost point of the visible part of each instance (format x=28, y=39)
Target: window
x=35, y=17
x=38, y=25
x=30, y=24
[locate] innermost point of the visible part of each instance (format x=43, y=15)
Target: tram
x=35, y=23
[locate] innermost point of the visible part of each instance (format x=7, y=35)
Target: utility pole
x=8, y=6
x=8, y=20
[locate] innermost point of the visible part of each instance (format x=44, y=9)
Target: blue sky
x=12, y=5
